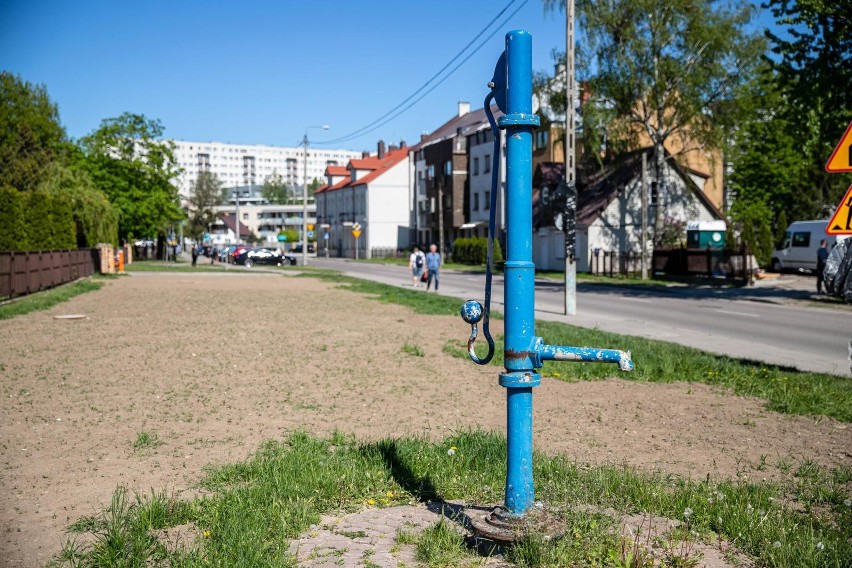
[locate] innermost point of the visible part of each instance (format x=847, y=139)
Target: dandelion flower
x=776, y=544
x=389, y=494
x=452, y=451
x=371, y=501
x=206, y=534
x=820, y=546
x=848, y=502
x=687, y=512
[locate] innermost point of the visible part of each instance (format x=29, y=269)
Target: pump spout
x=624, y=359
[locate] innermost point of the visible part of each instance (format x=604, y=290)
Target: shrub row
x=474, y=250
x=36, y=220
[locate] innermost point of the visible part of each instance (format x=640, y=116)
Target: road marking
x=641, y=300
x=738, y=313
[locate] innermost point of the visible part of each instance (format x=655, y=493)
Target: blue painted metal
x=511, y=89
x=519, y=273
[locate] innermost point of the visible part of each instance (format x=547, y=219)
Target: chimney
x=464, y=108
x=393, y=148
x=381, y=149
x=423, y=137
x=365, y=155
x=402, y=144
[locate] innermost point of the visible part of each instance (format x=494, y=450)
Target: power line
x=386, y=118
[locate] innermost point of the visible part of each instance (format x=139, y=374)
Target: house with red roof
x=372, y=191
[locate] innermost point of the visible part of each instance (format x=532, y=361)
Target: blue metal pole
x=520, y=341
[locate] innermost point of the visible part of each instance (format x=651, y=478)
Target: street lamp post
x=305, y=195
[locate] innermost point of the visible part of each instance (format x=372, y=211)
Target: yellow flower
x=389, y=493
x=206, y=534
x=371, y=501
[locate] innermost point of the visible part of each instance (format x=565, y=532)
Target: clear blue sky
x=260, y=71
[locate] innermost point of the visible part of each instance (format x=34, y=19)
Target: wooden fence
x=26, y=272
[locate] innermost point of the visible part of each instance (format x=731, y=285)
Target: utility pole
x=441, y=218
x=305, y=203
x=305, y=195
x=237, y=213
x=643, y=238
x=569, y=224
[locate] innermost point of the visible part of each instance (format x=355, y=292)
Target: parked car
x=798, y=251
x=263, y=255
x=235, y=250
x=298, y=248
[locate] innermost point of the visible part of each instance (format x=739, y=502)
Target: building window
x=487, y=204
x=487, y=166
x=476, y=202
x=431, y=171
x=476, y=166
x=245, y=216
x=448, y=167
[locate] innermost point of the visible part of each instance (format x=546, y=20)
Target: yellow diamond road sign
x=356, y=233
x=841, y=222
x=841, y=158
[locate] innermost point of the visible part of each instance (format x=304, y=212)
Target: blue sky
x=261, y=71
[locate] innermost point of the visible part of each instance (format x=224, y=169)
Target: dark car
x=262, y=255
x=298, y=248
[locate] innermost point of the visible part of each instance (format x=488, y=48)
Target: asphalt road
x=763, y=323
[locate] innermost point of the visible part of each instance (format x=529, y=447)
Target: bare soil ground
x=215, y=363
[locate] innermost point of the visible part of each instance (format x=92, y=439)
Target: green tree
x=668, y=70
x=207, y=192
x=274, y=189
x=95, y=218
x=813, y=63
x=135, y=169
x=31, y=136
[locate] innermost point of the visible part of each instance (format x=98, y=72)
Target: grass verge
x=252, y=509
x=784, y=389
x=48, y=298
x=160, y=266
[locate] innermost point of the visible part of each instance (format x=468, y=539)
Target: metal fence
x=26, y=272
x=386, y=252
x=713, y=263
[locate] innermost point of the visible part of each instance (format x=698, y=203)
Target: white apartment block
x=247, y=165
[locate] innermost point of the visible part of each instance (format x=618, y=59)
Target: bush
x=13, y=206
x=474, y=251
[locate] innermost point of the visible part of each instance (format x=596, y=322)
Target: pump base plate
x=498, y=525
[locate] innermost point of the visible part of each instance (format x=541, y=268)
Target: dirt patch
x=213, y=364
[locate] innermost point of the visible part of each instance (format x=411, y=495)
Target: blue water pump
x=511, y=89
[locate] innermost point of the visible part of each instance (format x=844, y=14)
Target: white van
x=798, y=251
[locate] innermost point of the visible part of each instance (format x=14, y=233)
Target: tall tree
x=30, y=133
x=813, y=62
x=206, y=193
x=127, y=160
x=275, y=190
x=666, y=71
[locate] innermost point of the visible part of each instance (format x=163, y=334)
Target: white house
x=609, y=208
x=373, y=192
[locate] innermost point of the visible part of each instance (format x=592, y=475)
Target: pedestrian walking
x=194, y=254
x=415, y=264
x=822, y=256
x=433, y=265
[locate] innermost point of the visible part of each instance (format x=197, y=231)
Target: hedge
x=36, y=220
x=474, y=250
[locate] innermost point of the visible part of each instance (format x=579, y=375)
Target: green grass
x=784, y=389
x=252, y=509
x=161, y=266
x=413, y=350
x=145, y=441
x=48, y=298
x=417, y=300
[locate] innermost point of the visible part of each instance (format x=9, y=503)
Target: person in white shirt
x=415, y=264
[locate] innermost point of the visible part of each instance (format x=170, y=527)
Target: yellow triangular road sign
x=841, y=222
x=841, y=158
